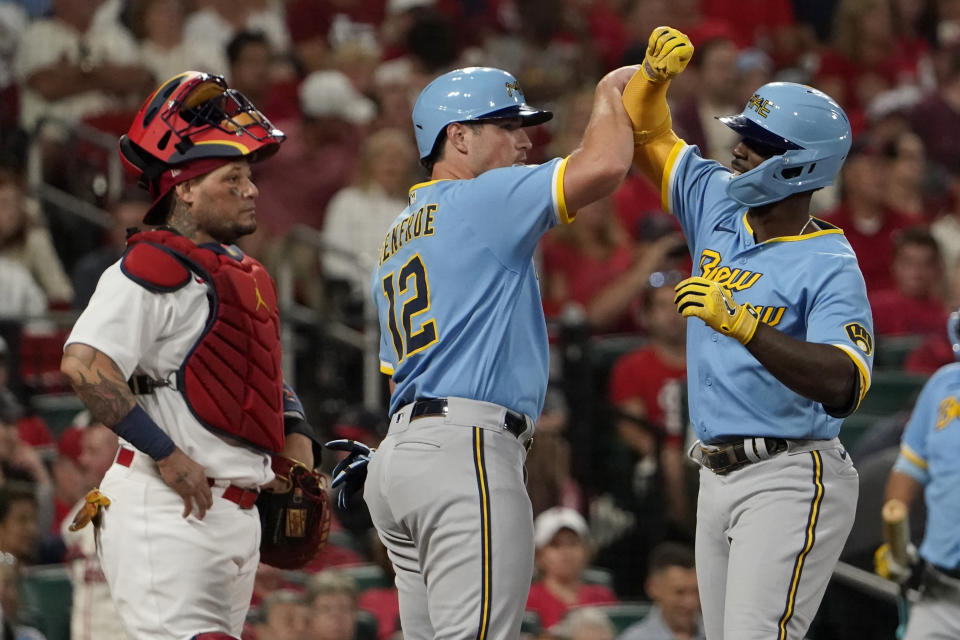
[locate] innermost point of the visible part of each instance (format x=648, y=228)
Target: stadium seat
x=46, y=597
x=603, y=351
x=855, y=426
x=367, y=576
x=40, y=353
x=366, y=628
x=56, y=409
x=891, y=391
x=892, y=351
x=531, y=625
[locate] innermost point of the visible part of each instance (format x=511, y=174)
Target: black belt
x=937, y=582
x=729, y=457
x=513, y=422
x=950, y=573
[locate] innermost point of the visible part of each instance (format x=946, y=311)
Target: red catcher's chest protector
x=231, y=379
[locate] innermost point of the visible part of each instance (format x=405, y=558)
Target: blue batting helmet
x=806, y=130
x=473, y=93
x=953, y=332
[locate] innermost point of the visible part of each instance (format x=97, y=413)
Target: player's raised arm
x=597, y=167
x=645, y=99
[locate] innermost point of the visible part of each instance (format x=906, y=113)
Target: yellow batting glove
x=668, y=53
x=712, y=303
x=887, y=567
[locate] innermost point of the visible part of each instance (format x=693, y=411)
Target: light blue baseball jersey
x=928, y=452
x=809, y=287
x=457, y=293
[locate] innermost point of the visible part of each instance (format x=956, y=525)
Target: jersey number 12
x=410, y=341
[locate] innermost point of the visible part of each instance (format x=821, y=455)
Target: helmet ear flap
x=139, y=161
x=953, y=333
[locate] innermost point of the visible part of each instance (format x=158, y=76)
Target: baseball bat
x=896, y=529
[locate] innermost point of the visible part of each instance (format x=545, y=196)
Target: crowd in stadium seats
x=340, y=77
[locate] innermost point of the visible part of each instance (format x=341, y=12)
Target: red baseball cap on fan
x=69, y=443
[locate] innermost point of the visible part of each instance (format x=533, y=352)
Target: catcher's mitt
x=294, y=523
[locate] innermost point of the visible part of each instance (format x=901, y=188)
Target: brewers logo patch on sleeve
x=860, y=336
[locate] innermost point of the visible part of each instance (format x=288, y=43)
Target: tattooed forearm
x=100, y=384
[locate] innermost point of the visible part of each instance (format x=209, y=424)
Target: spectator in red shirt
x=645, y=475
x=320, y=154
x=561, y=537
x=907, y=177
x=867, y=222
x=315, y=26
x=69, y=483
x=645, y=390
x=930, y=355
x=936, y=119
x=20, y=461
x=594, y=265
x=715, y=73
x=259, y=74
x=867, y=56
x=767, y=24
x=914, y=304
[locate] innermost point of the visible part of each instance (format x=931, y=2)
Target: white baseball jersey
x=170, y=577
x=152, y=333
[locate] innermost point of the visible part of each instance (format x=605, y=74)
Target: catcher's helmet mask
x=192, y=116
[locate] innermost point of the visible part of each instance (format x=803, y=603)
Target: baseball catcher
x=179, y=353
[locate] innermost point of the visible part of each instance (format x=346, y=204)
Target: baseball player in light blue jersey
x=464, y=340
x=779, y=345
x=928, y=462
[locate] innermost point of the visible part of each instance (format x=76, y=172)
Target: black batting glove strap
x=351, y=472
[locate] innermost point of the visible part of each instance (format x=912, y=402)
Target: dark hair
x=431, y=39
x=436, y=154
x=915, y=236
x=671, y=554
x=241, y=41
x=705, y=46
x=10, y=409
x=10, y=176
x=15, y=491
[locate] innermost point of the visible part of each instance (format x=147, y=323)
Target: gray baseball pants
x=768, y=538
x=447, y=496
